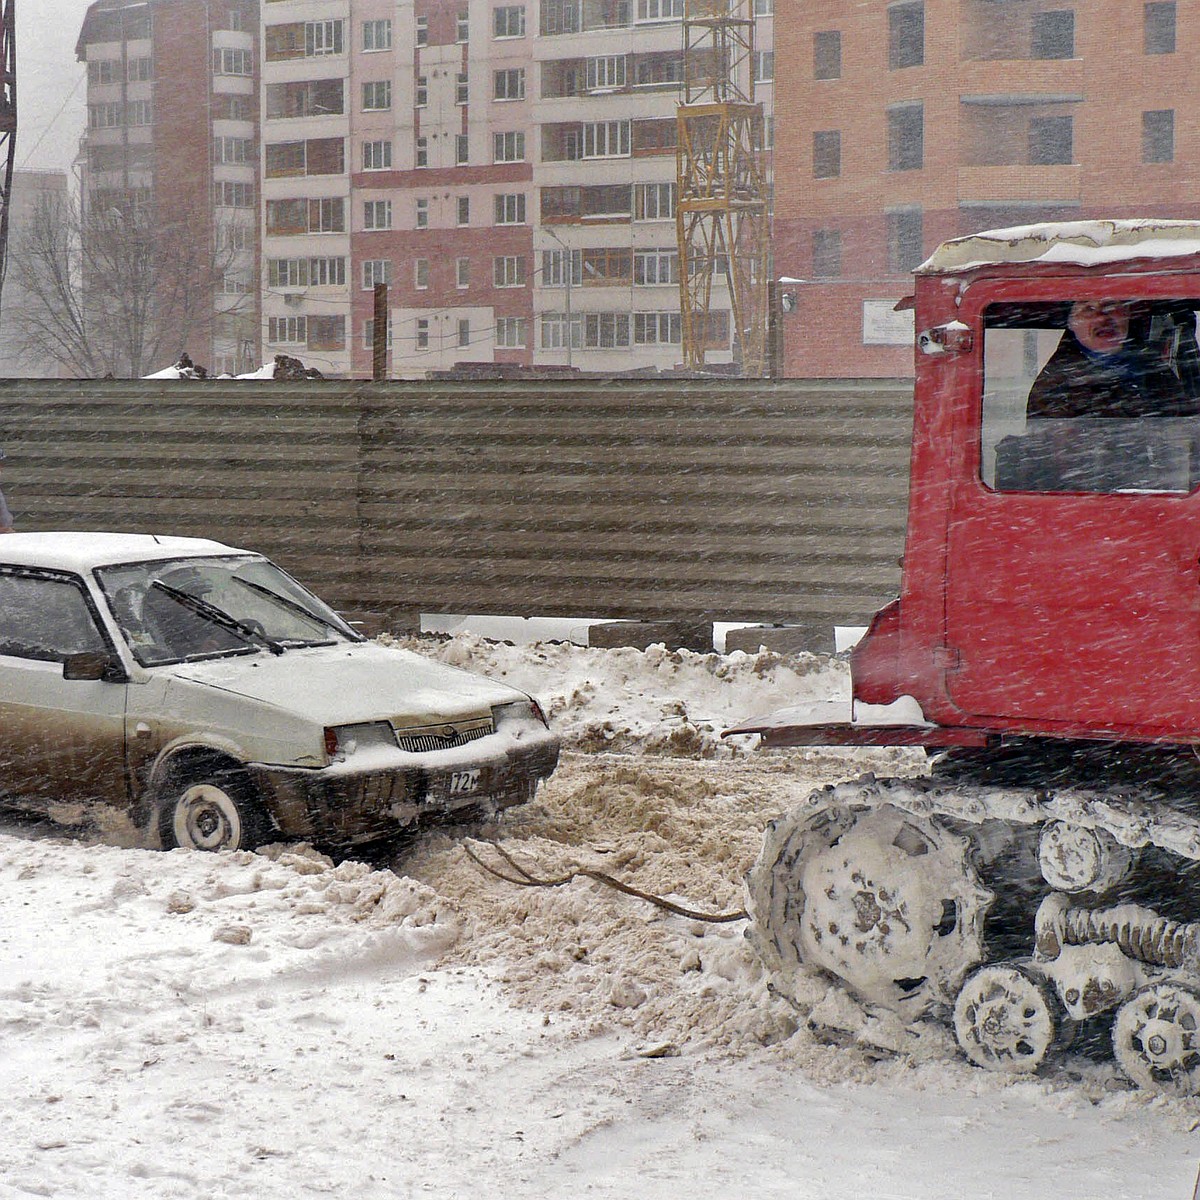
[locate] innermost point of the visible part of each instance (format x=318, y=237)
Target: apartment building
x=171, y=150
x=508, y=169
x=902, y=125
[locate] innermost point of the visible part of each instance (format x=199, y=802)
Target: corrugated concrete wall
x=781, y=501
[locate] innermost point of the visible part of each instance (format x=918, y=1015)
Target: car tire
x=213, y=811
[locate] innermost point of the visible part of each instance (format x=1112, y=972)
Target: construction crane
x=8, y=121
x=721, y=218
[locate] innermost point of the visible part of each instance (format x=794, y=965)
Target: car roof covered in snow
x=85, y=551
x=1071, y=243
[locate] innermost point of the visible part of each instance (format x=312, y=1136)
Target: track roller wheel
x=1005, y=1019
x=1156, y=1039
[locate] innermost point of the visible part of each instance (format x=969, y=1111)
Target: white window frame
x=462, y=26
x=508, y=208
x=462, y=88
x=421, y=153
x=287, y=331
x=322, y=38
x=506, y=17
x=554, y=268
x=377, y=215
x=658, y=210
x=654, y=268
x=508, y=271
x=462, y=211
x=511, y=333
x=508, y=84
x=606, y=72
x=508, y=147
x=377, y=155
x=375, y=271
x=422, y=31
x=377, y=95
x=421, y=274
x=421, y=92
x=421, y=209
x=659, y=10
x=462, y=273
x=607, y=139
x=231, y=61
x=376, y=35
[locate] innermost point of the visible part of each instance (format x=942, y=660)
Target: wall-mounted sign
x=883, y=326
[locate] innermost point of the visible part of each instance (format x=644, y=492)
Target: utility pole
x=721, y=207
x=8, y=121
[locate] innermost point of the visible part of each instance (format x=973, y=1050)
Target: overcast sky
x=50, y=87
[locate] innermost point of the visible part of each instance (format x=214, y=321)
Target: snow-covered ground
x=277, y=1025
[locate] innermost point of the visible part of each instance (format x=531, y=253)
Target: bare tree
x=111, y=290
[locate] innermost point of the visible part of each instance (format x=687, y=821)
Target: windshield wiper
x=218, y=616
x=295, y=607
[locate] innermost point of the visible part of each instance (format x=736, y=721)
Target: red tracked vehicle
x=1045, y=651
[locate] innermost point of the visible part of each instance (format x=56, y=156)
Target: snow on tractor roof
x=1071, y=243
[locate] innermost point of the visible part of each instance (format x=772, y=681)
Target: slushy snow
x=280, y=1025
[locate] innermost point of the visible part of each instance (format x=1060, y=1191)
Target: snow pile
x=654, y=701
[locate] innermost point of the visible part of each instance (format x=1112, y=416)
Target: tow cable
x=528, y=879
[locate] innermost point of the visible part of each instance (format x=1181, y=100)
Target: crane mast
x=721, y=218
x=8, y=121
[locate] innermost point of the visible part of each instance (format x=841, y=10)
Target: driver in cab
x=1100, y=370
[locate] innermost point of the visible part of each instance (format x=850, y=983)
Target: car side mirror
x=92, y=665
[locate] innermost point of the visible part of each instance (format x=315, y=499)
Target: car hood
x=345, y=684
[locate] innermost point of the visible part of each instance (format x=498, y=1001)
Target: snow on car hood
x=347, y=683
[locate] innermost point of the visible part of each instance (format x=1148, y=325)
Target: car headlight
x=344, y=740
x=519, y=712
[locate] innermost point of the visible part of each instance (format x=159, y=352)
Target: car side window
x=46, y=618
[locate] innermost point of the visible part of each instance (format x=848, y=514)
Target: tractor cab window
x=1094, y=395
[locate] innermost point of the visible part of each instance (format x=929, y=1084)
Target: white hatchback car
x=206, y=693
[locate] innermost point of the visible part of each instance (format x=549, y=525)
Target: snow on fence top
x=1071, y=243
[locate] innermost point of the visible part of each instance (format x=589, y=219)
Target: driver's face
x=1100, y=325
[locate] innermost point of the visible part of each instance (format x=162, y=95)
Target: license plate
x=464, y=783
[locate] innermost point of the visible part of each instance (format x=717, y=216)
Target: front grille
x=442, y=737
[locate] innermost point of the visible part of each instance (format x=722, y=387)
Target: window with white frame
x=377, y=95
x=554, y=267
x=462, y=149
x=764, y=8
x=323, y=37
x=368, y=336
x=139, y=70
x=422, y=334
x=377, y=214
x=376, y=271
x=508, y=147
x=764, y=66
x=420, y=273
x=287, y=330
x=104, y=116
x=554, y=331
x=510, y=333
x=235, y=284
x=422, y=212
x=607, y=71
x=139, y=112
x=660, y=10
x=233, y=195
x=464, y=331
x=657, y=328
x=421, y=95
x=509, y=84
x=462, y=26
x=606, y=139
x=462, y=88
x=376, y=35
x=509, y=208
x=422, y=32
x=103, y=70
x=232, y=62
x=655, y=266
x=462, y=272
x=508, y=270
x=605, y=330
x=306, y=272
x=377, y=156
x=232, y=236
x=421, y=155
x=232, y=150
x=463, y=210
x=509, y=21
x=654, y=202
x=327, y=272
x=327, y=216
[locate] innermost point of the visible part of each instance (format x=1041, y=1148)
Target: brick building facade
x=899, y=126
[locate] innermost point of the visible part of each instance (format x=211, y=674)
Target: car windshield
x=184, y=609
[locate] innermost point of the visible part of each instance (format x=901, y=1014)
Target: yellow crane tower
x=721, y=218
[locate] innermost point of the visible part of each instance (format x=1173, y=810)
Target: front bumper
x=376, y=795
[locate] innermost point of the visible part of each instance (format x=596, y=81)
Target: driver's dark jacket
x=1130, y=383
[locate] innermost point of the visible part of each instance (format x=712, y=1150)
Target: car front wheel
x=217, y=812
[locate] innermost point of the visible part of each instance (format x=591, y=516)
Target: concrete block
x=781, y=639
x=675, y=635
